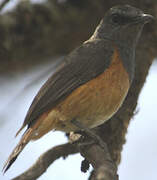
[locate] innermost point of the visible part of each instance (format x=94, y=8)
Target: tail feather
x=19, y=130
x=23, y=142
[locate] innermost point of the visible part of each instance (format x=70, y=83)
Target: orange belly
x=92, y=103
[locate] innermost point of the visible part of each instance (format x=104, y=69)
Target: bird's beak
x=147, y=18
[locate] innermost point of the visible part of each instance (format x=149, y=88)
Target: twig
x=46, y=159
x=3, y=4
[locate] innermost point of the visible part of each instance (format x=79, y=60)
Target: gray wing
x=80, y=66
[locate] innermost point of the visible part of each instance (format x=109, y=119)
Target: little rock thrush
x=92, y=82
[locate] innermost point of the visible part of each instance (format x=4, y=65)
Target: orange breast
x=92, y=103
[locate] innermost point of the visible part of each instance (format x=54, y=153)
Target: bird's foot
x=74, y=137
x=90, y=133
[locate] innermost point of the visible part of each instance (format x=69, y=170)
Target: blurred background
x=17, y=91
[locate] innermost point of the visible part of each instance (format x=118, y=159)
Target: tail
x=23, y=142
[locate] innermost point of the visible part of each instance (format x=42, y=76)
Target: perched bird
x=91, y=83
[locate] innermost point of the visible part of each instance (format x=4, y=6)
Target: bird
x=91, y=83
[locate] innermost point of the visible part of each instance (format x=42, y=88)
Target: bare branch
x=46, y=159
x=100, y=159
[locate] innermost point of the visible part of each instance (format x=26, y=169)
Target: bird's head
x=123, y=23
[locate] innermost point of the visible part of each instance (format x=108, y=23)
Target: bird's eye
x=120, y=19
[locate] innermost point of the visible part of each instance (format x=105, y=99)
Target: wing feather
x=80, y=66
